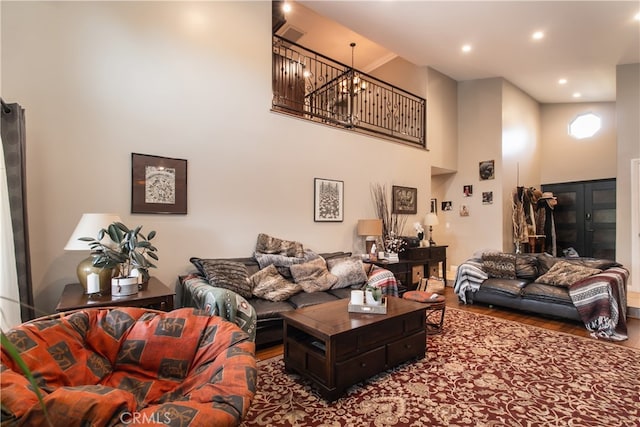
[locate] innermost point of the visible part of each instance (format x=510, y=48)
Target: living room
x=100, y=81
x=192, y=80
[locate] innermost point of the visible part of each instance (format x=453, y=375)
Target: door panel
x=585, y=217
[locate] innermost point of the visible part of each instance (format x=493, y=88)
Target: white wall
x=628, y=183
x=102, y=80
x=479, y=139
x=563, y=157
x=442, y=120
x=521, y=148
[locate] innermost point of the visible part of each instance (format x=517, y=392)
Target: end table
x=156, y=295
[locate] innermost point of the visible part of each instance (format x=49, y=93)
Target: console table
x=416, y=263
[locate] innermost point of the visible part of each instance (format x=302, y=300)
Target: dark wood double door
x=585, y=217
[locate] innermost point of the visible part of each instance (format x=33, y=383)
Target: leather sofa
x=534, y=283
x=126, y=365
x=269, y=327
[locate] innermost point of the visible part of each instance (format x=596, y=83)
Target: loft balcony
x=314, y=87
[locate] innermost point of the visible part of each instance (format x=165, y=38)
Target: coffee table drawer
x=407, y=348
x=361, y=367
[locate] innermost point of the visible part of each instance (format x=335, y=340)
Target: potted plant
x=129, y=250
x=373, y=295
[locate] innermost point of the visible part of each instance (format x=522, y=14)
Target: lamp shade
x=89, y=225
x=431, y=219
x=369, y=227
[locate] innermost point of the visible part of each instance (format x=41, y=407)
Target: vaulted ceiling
x=583, y=40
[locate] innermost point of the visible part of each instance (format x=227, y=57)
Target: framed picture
x=404, y=199
x=464, y=210
x=328, y=200
x=434, y=206
x=487, y=197
x=487, y=170
x=447, y=205
x=158, y=184
x=467, y=190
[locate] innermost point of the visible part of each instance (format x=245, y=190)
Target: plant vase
x=124, y=286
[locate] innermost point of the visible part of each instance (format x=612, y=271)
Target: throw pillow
x=349, y=271
x=526, y=267
x=313, y=276
x=565, y=274
x=272, y=245
x=225, y=274
x=270, y=285
x=499, y=265
x=283, y=262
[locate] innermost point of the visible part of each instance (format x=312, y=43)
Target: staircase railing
x=312, y=86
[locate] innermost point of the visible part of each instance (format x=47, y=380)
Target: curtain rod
x=5, y=108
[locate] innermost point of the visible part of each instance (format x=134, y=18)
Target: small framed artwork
x=434, y=206
x=487, y=170
x=467, y=190
x=487, y=197
x=447, y=205
x=328, y=200
x=158, y=184
x=464, y=210
x=404, y=199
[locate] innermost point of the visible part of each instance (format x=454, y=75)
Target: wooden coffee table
x=155, y=295
x=335, y=349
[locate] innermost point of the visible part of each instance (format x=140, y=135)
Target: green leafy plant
x=129, y=249
x=375, y=292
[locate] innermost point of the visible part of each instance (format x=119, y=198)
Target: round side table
x=434, y=309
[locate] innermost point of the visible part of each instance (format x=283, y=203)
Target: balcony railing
x=317, y=88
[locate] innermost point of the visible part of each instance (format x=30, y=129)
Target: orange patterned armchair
x=130, y=366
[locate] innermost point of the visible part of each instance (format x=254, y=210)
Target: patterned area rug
x=481, y=371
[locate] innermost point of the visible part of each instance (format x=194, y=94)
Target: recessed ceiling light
x=538, y=35
x=286, y=7
x=637, y=17
x=577, y=95
x=466, y=48
x=562, y=81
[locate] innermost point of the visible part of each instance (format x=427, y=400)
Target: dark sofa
x=584, y=289
x=269, y=326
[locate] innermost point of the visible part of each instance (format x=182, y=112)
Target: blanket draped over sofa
x=600, y=299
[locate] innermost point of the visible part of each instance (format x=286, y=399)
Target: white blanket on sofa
x=469, y=276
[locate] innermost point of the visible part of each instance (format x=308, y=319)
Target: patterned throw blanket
x=195, y=291
x=469, y=276
x=602, y=303
x=384, y=279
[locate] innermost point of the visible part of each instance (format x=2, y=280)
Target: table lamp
x=93, y=279
x=369, y=228
x=431, y=219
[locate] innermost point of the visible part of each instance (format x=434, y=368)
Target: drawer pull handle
x=408, y=346
x=363, y=365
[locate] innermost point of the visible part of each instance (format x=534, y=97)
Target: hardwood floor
x=566, y=326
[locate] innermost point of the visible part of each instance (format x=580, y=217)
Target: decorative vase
x=369, y=298
x=124, y=286
x=421, y=236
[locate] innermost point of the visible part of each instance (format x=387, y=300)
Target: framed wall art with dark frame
x=487, y=170
x=328, y=200
x=404, y=199
x=434, y=206
x=158, y=184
